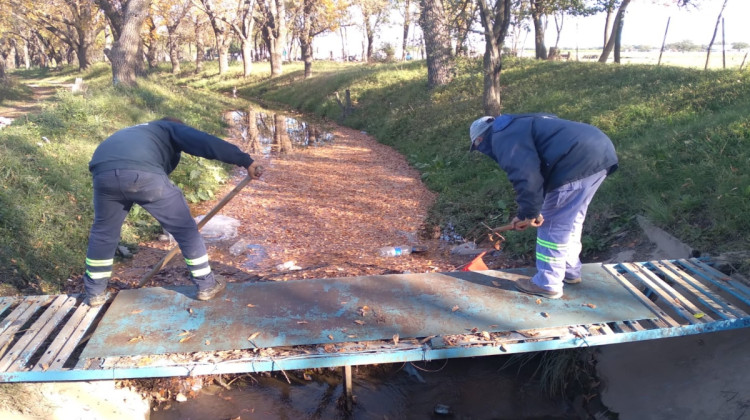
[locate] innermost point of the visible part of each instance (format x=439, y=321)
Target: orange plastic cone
x=476, y=264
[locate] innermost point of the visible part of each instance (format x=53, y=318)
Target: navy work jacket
x=157, y=146
x=541, y=152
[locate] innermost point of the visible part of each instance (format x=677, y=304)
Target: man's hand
x=519, y=224
x=255, y=170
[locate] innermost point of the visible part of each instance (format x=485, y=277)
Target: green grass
x=682, y=135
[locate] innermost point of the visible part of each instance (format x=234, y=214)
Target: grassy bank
x=45, y=199
x=682, y=135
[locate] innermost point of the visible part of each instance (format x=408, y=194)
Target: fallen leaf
x=330, y=337
x=699, y=315
x=359, y=322
x=306, y=377
x=545, y=314
x=250, y=305
x=590, y=305
x=137, y=311
x=494, y=283
x=474, y=330
x=538, y=301
x=395, y=339
x=352, y=336
x=502, y=348
x=186, y=338
x=208, y=342
x=455, y=308
x=135, y=339
x=486, y=335
x=184, y=332
x=253, y=335
x=45, y=366
x=190, y=310
x=302, y=322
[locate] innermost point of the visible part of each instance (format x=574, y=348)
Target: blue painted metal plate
x=320, y=311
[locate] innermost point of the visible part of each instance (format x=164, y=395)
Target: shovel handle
x=203, y=221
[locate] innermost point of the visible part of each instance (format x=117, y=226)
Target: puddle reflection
x=263, y=132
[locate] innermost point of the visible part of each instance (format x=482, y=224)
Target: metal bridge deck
x=256, y=327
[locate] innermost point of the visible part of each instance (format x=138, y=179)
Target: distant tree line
x=134, y=35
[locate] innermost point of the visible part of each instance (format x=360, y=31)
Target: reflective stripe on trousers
x=115, y=192
x=558, y=243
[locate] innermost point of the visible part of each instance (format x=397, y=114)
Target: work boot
x=574, y=280
x=527, y=286
x=211, y=292
x=96, y=300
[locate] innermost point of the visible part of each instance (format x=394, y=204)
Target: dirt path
x=17, y=109
x=325, y=210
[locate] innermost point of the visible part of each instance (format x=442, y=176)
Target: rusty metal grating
x=42, y=337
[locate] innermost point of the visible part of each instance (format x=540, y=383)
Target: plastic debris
x=219, y=228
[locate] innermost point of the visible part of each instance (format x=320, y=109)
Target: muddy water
x=265, y=132
x=478, y=388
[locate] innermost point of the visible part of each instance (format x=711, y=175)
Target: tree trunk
x=200, y=47
x=247, y=57
x=618, y=40
x=274, y=33
x=437, y=43
x=307, y=56
x=713, y=37
x=174, y=52
x=536, y=17
x=407, y=23
x=305, y=37
x=223, y=54
x=611, y=44
x=495, y=22
x=124, y=55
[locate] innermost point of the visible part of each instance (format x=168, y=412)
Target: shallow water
x=477, y=388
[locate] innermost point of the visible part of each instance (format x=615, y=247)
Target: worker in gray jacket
x=132, y=166
x=555, y=166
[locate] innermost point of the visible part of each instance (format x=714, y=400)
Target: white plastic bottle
x=395, y=251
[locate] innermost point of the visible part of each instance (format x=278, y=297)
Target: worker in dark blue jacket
x=132, y=167
x=555, y=166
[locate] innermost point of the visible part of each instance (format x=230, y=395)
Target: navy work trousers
x=115, y=192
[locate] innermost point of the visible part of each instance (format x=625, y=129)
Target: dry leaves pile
x=324, y=210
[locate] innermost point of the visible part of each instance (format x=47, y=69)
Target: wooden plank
x=670, y=296
x=40, y=331
x=62, y=337
x=75, y=337
x=738, y=289
x=634, y=325
x=640, y=296
x=7, y=302
x=606, y=330
x=23, y=312
x=29, y=334
x=725, y=309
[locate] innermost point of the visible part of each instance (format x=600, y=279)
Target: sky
x=645, y=22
